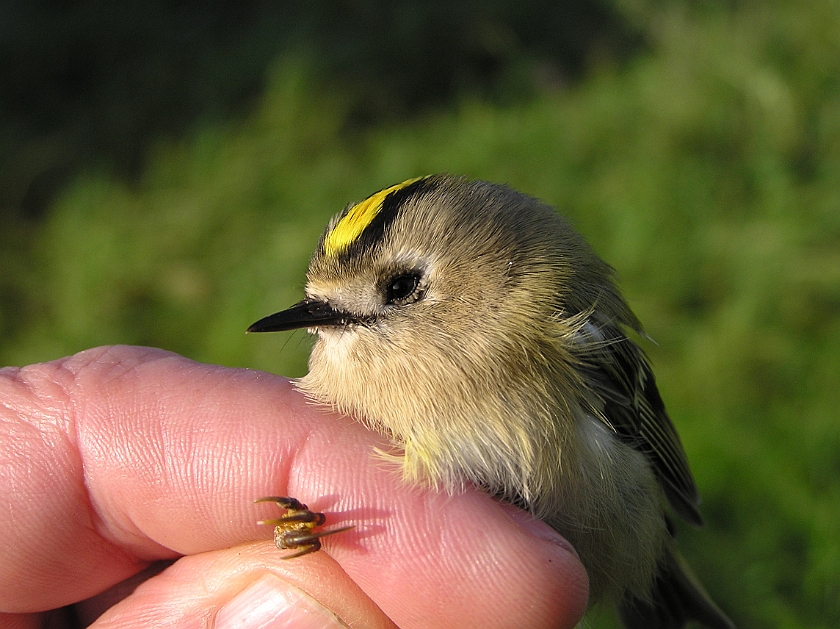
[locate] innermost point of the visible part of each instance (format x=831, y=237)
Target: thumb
x=248, y=587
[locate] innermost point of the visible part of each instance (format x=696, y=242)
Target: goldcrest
x=476, y=329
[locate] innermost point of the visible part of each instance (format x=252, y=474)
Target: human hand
x=119, y=458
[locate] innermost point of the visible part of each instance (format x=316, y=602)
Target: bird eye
x=402, y=289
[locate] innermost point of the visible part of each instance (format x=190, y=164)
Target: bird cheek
x=335, y=344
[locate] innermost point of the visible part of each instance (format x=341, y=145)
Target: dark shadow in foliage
x=94, y=82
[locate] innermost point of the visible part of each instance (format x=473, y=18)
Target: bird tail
x=677, y=597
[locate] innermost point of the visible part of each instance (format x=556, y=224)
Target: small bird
x=474, y=327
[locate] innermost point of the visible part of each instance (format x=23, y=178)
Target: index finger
x=119, y=456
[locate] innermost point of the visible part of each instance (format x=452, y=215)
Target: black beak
x=308, y=313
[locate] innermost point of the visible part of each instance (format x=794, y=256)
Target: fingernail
x=270, y=603
x=537, y=528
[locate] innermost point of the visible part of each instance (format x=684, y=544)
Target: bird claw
x=295, y=529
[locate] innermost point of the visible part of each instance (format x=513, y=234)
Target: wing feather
x=618, y=373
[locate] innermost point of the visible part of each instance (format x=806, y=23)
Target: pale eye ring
x=402, y=288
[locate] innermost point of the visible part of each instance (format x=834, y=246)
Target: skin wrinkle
x=43, y=392
x=111, y=368
x=49, y=386
x=119, y=368
x=163, y=462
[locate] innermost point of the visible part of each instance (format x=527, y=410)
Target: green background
x=165, y=172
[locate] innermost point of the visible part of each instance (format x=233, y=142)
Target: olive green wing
x=618, y=373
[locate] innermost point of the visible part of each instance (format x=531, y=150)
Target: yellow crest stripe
x=358, y=217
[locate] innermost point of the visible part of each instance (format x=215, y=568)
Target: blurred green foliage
x=100, y=79
x=698, y=149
